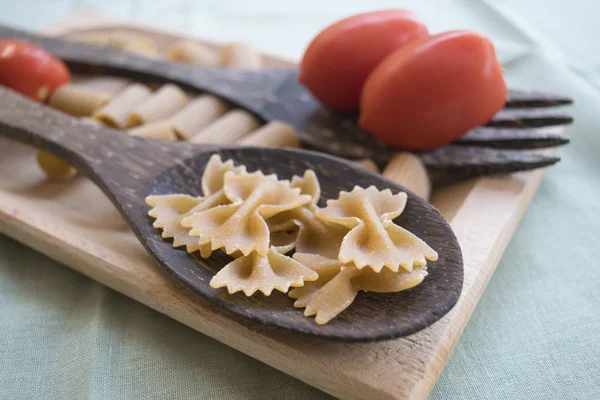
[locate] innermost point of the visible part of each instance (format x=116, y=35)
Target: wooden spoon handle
x=247, y=89
x=101, y=153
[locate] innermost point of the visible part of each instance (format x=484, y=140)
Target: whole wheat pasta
x=162, y=104
x=155, y=130
x=273, y=134
x=241, y=225
x=53, y=167
x=141, y=48
x=108, y=85
x=407, y=169
x=240, y=55
x=374, y=240
x=228, y=129
x=368, y=164
x=194, y=53
x=78, y=101
x=264, y=273
x=91, y=121
x=124, y=40
x=338, y=284
x=169, y=210
x=116, y=113
x=351, y=245
x=92, y=38
x=197, y=115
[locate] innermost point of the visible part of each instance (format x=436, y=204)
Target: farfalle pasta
x=338, y=284
x=309, y=185
x=313, y=235
x=264, y=273
x=374, y=240
x=241, y=225
x=279, y=238
x=169, y=210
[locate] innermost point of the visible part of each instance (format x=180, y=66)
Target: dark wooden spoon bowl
x=129, y=168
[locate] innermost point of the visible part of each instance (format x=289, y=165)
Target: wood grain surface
x=75, y=224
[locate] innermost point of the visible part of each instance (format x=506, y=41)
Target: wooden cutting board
x=75, y=224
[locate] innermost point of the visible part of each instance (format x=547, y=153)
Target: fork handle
x=247, y=89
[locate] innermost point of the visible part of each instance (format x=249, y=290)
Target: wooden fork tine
x=473, y=161
x=514, y=138
x=531, y=99
x=529, y=118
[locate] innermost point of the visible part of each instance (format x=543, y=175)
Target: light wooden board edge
x=404, y=368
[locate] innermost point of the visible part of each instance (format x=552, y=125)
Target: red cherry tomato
x=30, y=70
x=433, y=91
x=337, y=62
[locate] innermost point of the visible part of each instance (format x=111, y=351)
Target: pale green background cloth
x=535, y=333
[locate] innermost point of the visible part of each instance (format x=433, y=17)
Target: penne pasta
x=78, y=101
x=368, y=164
x=162, y=104
x=91, y=38
x=407, y=169
x=228, y=129
x=191, y=52
x=108, y=85
x=197, y=115
x=126, y=41
x=155, y=130
x=140, y=48
x=121, y=40
x=273, y=134
x=116, y=113
x=53, y=167
x=91, y=121
x=240, y=55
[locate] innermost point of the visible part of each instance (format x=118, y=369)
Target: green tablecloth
x=534, y=334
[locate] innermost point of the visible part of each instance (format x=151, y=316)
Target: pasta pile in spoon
x=279, y=238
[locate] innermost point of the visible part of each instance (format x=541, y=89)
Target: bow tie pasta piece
x=213, y=178
x=326, y=268
x=333, y=298
x=313, y=235
x=241, y=225
x=331, y=293
x=264, y=273
x=316, y=236
x=374, y=240
x=170, y=209
x=363, y=204
x=283, y=241
x=376, y=246
x=338, y=284
x=308, y=184
x=283, y=228
x=282, y=222
x=387, y=281
x=284, y=232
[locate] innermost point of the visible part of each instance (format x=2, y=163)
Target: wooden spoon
x=276, y=94
x=129, y=168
